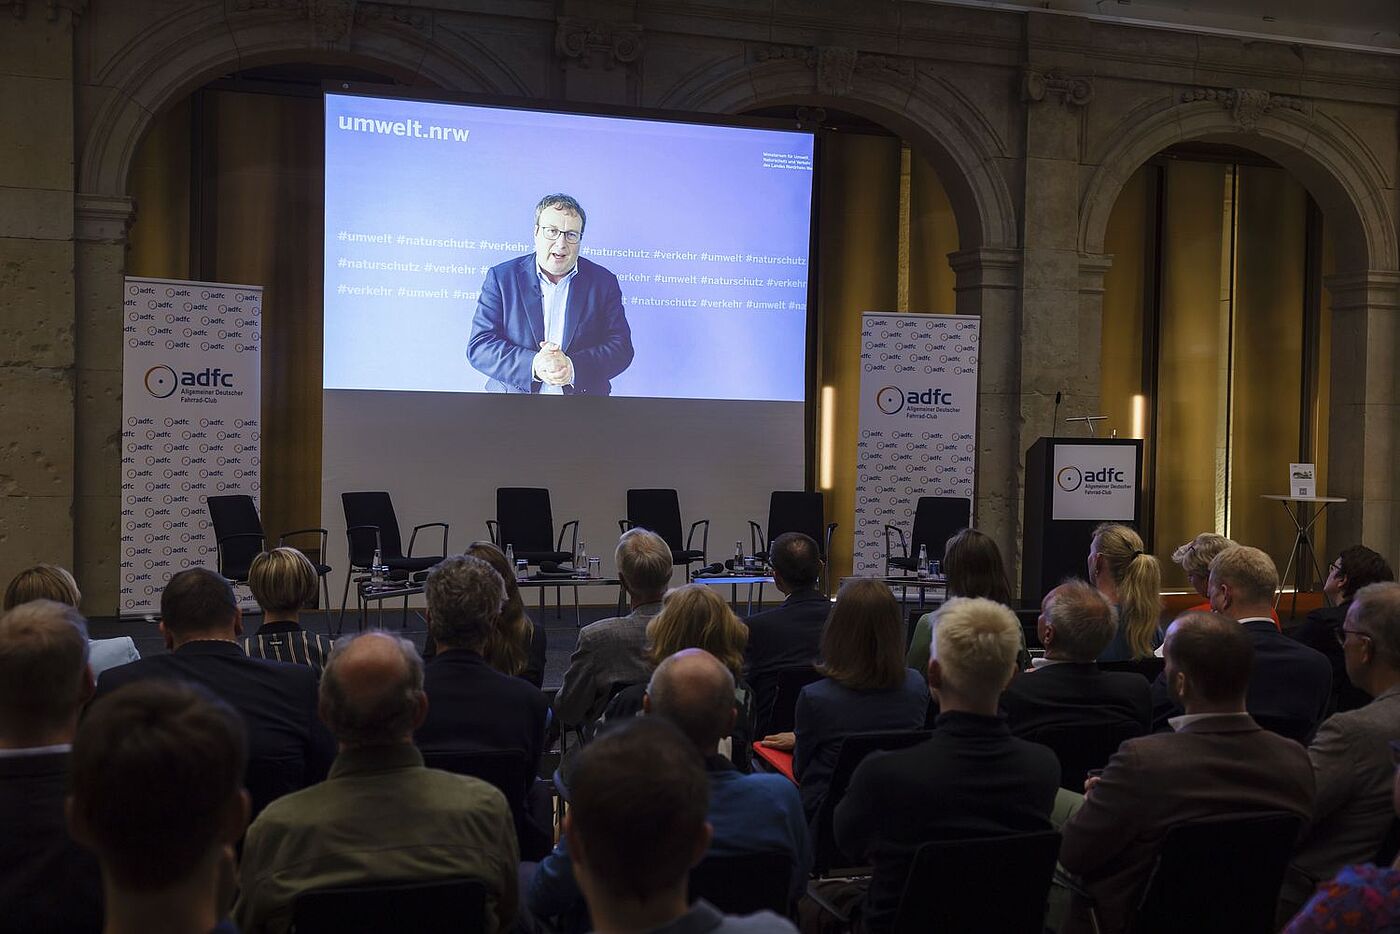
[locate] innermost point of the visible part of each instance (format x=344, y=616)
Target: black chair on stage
x=794, y=511
x=659, y=511
x=525, y=522
x=936, y=518
x=744, y=883
x=1084, y=747
x=238, y=537
x=443, y=906
x=371, y=525
x=854, y=749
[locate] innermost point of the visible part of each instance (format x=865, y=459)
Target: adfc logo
x=890, y=400
x=1069, y=479
x=161, y=381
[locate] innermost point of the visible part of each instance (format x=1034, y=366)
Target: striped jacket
x=288, y=642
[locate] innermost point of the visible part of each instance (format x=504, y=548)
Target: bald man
x=749, y=813
x=380, y=814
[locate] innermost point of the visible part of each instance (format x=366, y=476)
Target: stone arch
x=176, y=57
x=1331, y=163
x=931, y=113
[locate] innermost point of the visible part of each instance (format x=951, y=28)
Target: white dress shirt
x=555, y=296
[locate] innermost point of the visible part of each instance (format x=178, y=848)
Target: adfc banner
x=918, y=423
x=191, y=398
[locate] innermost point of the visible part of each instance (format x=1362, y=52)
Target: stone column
x=1363, y=445
x=100, y=261
x=36, y=289
x=987, y=285
x=1084, y=384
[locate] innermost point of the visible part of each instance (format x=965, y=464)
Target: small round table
x=1302, y=542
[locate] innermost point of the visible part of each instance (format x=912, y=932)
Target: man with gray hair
x=613, y=651
x=1351, y=757
x=759, y=813
x=381, y=814
x=1066, y=688
x=971, y=778
x=1291, y=683
x=47, y=881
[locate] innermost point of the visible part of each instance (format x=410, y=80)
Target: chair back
x=797, y=511
x=936, y=518
x=373, y=509
x=791, y=681
x=1149, y=668
x=525, y=518
x=1232, y=866
x=1294, y=728
x=990, y=884
x=436, y=907
x=854, y=749
x=235, y=515
x=506, y=769
x=1084, y=747
x=744, y=883
x=658, y=511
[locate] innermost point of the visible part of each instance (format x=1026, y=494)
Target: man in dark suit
x=550, y=322
x=1290, y=683
x=1217, y=762
x=971, y=779
x=288, y=746
x=472, y=707
x=1066, y=687
x=47, y=882
x=1355, y=567
x=787, y=636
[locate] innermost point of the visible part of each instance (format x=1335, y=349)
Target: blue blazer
x=509, y=326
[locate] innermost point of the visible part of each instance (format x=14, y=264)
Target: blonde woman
x=1131, y=581
x=282, y=581
x=516, y=646
x=51, y=582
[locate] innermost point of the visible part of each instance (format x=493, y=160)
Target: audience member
x=866, y=687
x=1290, y=683
x=51, y=582
x=787, y=636
x=970, y=779
x=1219, y=761
x=47, y=882
x=748, y=813
x=1066, y=688
x=476, y=708
x=157, y=794
x=1355, y=567
x=973, y=567
x=613, y=651
x=380, y=815
x=516, y=646
x=282, y=581
x=636, y=825
x=201, y=623
x=1131, y=580
x=695, y=617
x=1351, y=756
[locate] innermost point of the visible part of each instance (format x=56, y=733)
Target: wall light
x=827, y=470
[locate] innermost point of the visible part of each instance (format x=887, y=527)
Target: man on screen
x=550, y=322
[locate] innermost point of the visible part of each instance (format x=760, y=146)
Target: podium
x=1072, y=485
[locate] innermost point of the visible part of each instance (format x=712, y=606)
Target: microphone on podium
x=1055, y=421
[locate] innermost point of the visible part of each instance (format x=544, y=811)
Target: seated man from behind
x=613, y=651
x=1351, y=755
x=790, y=635
x=476, y=708
x=972, y=778
x=635, y=827
x=1219, y=761
x=1066, y=687
x=748, y=813
x=200, y=620
x=158, y=795
x=1355, y=567
x=47, y=882
x=380, y=815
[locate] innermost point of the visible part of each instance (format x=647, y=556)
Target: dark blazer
x=288, y=747
x=1289, y=680
x=473, y=707
x=1319, y=633
x=509, y=326
x=972, y=778
x=787, y=636
x=1075, y=694
x=1218, y=765
x=48, y=883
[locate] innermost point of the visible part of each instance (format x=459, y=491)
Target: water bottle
x=376, y=570
x=581, y=560
x=739, y=556
x=510, y=556
x=923, y=561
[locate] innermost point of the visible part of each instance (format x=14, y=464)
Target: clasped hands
x=551, y=366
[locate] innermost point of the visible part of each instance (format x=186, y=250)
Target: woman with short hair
x=282, y=581
x=51, y=582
